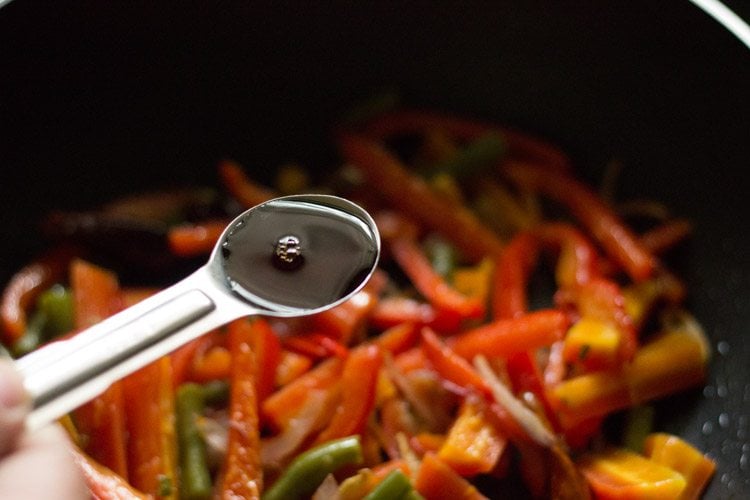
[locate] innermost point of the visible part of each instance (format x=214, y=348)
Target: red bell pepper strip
x=449, y=365
x=398, y=338
x=505, y=337
x=267, y=349
x=242, y=475
x=360, y=378
x=103, y=483
x=429, y=283
x=102, y=420
x=239, y=185
x=617, y=239
x=513, y=267
x=25, y=286
x=521, y=145
x=409, y=193
x=392, y=311
x=661, y=238
x=682, y=457
x=152, y=449
x=435, y=480
x=315, y=345
x=192, y=240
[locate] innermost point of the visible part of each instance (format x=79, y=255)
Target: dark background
x=98, y=98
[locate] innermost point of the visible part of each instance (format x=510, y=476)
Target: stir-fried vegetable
x=446, y=374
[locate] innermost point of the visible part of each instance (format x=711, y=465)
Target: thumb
x=14, y=405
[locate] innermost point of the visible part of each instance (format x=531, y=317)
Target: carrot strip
x=430, y=284
x=449, y=365
x=521, y=145
x=102, y=420
x=357, y=394
x=102, y=482
x=398, y=338
x=616, y=238
x=290, y=367
x=242, y=474
x=213, y=364
x=412, y=195
x=505, y=337
x=150, y=418
x=436, y=480
x=191, y=240
x=282, y=405
x=239, y=185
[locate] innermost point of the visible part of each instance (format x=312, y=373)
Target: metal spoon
x=287, y=257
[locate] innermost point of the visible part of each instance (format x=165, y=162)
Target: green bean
x=478, y=155
x=53, y=316
x=215, y=393
x=195, y=478
x=308, y=470
x=394, y=486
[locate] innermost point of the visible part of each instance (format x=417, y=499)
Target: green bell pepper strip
x=195, y=477
x=309, y=469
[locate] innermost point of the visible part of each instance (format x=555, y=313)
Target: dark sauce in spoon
x=338, y=251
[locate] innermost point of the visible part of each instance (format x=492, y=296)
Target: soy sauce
x=337, y=252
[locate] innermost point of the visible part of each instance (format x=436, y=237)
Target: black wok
x=98, y=99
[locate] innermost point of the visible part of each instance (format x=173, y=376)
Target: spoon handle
x=66, y=374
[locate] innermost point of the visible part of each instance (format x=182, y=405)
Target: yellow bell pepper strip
x=193, y=240
x=674, y=360
x=410, y=194
x=601, y=299
x=242, y=474
x=641, y=299
x=150, y=422
x=24, y=287
x=681, y=456
x=592, y=344
x=617, y=239
x=102, y=420
x=520, y=145
x=241, y=187
x=505, y=337
x=103, y=483
x=473, y=445
x=309, y=469
x=415, y=264
x=435, y=480
x=619, y=474
x=360, y=378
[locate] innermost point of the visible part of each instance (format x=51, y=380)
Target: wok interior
x=101, y=99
